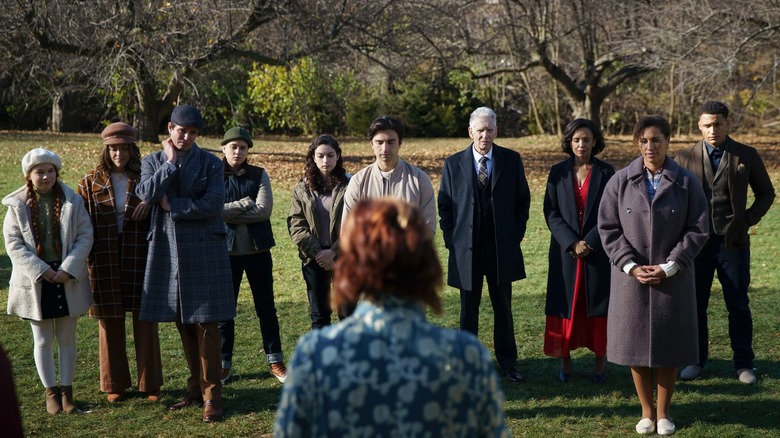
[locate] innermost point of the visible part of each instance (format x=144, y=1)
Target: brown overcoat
x=117, y=279
x=743, y=168
x=653, y=325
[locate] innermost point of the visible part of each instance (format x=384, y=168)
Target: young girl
x=315, y=222
x=48, y=236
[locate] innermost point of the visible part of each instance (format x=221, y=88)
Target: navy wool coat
x=653, y=325
x=560, y=212
x=457, y=203
x=188, y=277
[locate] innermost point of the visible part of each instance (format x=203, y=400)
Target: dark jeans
x=501, y=300
x=259, y=273
x=733, y=267
x=318, y=281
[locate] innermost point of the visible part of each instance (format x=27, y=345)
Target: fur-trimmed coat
x=24, y=291
x=188, y=277
x=117, y=278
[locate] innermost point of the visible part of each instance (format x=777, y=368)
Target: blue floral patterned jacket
x=385, y=371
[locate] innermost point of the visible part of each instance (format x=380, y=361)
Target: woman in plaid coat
x=117, y=263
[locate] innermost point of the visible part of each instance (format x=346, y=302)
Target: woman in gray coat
x=652, y=223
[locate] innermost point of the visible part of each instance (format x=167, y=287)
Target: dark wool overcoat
x=653, y=325
x=560, y=212
x=458, y=199
x=116, y=277
x=188, y=277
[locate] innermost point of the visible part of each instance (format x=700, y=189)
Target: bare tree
x=154, y=48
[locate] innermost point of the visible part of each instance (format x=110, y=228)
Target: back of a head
x=387, y=250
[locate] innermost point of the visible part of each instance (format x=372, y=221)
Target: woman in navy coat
x=578, y=274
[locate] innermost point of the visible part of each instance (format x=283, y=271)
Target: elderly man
x=483, y=208
x=390, y=175
x=726, y=168
x=188, y=278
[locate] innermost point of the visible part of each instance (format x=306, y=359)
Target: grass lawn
x=715, y=405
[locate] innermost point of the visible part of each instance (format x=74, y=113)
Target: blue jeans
x=733, y=267
x=259, y=273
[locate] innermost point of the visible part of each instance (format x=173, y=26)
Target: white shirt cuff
x=628, y=267
x=670, y=267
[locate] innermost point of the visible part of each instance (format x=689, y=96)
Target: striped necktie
x=482, y=173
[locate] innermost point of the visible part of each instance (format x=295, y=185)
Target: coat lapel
x=498, y=165
x=596, y=175
x=467, y=169
x=187, y=177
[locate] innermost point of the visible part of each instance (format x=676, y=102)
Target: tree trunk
x=55, y=123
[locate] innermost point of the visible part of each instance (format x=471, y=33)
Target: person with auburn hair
x=48, y=237
x=385, y=370
x=117, y=264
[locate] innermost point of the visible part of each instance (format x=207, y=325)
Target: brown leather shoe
x=68, y=405
x=279, y=371
x=212, y=411
x=53, y=400
x=153, y=396
x=186, y=401
x=114, y=397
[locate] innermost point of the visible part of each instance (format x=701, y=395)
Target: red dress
x=562, y=335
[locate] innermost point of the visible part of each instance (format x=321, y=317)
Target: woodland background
x=303, y=67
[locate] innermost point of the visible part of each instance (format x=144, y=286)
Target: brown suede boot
x=68, y=406
x=53, y=404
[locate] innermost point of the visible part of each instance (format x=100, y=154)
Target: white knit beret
x=40, y=156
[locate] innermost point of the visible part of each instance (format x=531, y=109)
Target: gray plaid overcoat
x=188, y=277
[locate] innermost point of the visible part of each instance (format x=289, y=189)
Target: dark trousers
x=201, y=349
x=318, y=281
x=733, y=267
x=259, y=273
x=501, y=300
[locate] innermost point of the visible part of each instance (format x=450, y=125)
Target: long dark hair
x=576, y=124
x=312, y=175
x=105, y=165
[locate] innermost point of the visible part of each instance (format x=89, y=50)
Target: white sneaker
x=690, y=372
x=645, y=426
x=746, y=376
x=666, y=427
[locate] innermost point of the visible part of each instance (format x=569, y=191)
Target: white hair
x=482, y=111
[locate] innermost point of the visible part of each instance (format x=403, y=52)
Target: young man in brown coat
x=726, y=169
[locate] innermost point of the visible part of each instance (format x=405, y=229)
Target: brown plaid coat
x=117, y=277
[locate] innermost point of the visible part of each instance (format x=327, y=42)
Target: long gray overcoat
x=653, y=325
x=188, y=277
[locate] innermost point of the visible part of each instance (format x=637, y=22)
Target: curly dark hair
x=573, y=126
x=312, y=175
x=386, y=123
x=387, y=250
x=655, y=120
x=714, y=107
x=105, y=165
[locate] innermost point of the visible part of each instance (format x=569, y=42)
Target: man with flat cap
x=188, y=278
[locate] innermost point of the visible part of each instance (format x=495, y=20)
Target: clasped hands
x=326, y=259
x=648, y=274
x=580, y=249
x=53, y=276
